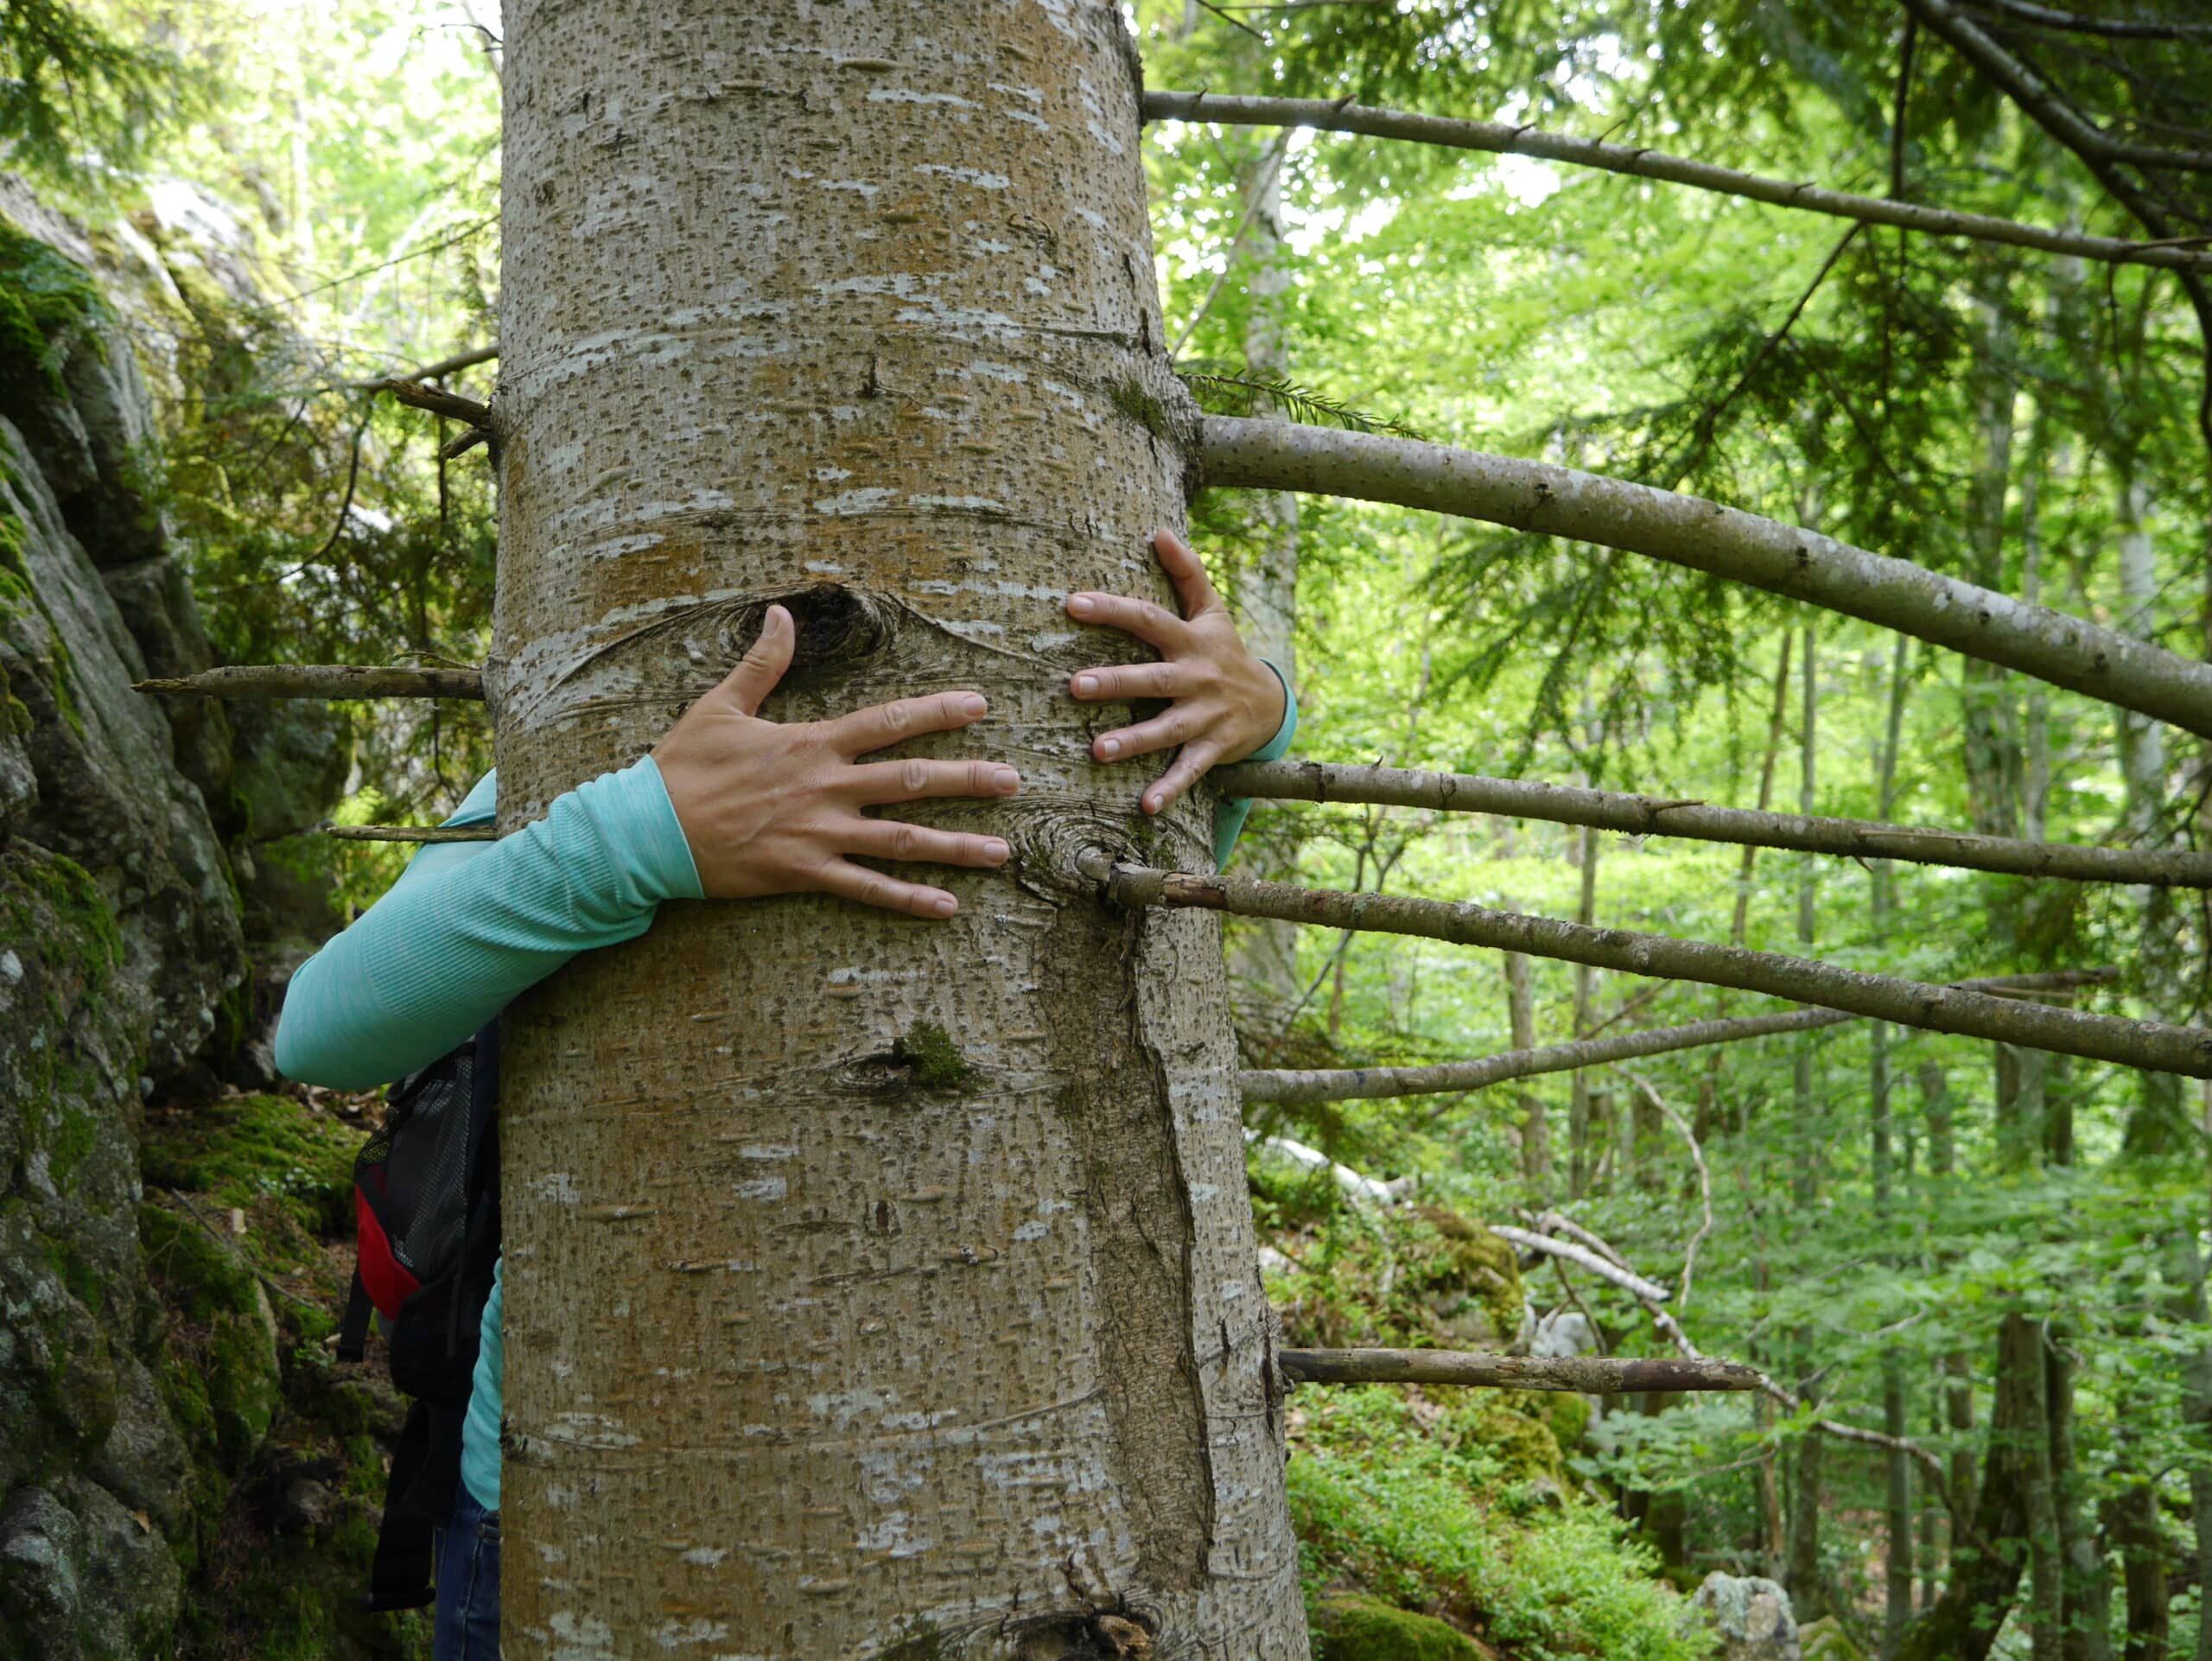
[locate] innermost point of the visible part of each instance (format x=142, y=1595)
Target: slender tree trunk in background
x=2046, y=1610
x=1958, y=1374
x=1580, y=1159
x=828, y=1333
x=1808, y=1595
x=1264, y=967
x=1897, y=1614
x=2132, y=1522
x=1963, y=1623
x=1739, y=922
x=1521, y=1013
x=2089, y=1586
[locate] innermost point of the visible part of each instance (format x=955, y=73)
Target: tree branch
x=1613, y=1274
x=1497, y=138
x=1799, y=565
x=2149, y=1045
x=410, y=832
x=336, y=682
x=437, y=401
x=2116, y=28
x=1646, y=816
x=1588, y=1374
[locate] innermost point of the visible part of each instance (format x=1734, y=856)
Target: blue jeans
x=468, y=1585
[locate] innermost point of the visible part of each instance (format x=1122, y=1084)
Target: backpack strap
x=418, y=1501
x=353, y=1326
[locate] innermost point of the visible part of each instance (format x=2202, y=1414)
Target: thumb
x=764, y=663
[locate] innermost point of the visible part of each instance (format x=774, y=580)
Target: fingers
x=884, y=724
x=763, y=664
x=851, y=881
x=1154, y=625
x=877, y=784
x=1162, y=732
x=919, y=843
x=1190, y=767
x=1125, y=683
x=1181, y=562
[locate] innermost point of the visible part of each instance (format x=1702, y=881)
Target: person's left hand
x=1223, y=702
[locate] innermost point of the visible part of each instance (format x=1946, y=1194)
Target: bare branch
x=1588, y=1374
x=1634, y=1285
x=462, y=444
x=2149, y=1045
x=437, y=401
x=1704, y=1180
x=437, y=371
x=2115, y=28
x=1648, y=815
x=1799, y=565
x=1497, y=138
x=410, y=832
x=336, y=682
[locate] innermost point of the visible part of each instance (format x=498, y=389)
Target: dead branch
x=1801, y=564
x=1588, y=1374
x=335, y=682
x=2113, y=27
x=1499, y=138
x=462, y=444
x=1971, y=1013
x=1646, y=816
x=437, y=371
x=410, y=832
x=437, y=401
x=1628, y=1281
x=1704, y=1180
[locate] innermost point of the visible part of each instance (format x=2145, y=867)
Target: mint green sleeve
x=470, y=926
x=1229, y=818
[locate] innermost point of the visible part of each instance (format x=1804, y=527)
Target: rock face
x=1752, y=1617
x=122, y=966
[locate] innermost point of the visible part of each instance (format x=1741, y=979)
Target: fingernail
x=995, y=851
x=973, y=705
x=1085, y=685
x=1109, y=748
x=1152, y=804
x=1006, y=779
x=944, y=904
x=1079, y=605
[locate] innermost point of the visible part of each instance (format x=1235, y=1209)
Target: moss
x=76, y=1135
x=1473, y=1260
x=226, y=1332
x=1826, y=1640
x=1354, y=1628
x=46, y=302
x=1517, y=1434
x=1568, y=1416
x=73, y=907
x=936, y=1060
x=290, y=1168
x=1130, y=397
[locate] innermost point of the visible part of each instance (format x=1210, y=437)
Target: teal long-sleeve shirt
x=470, y=926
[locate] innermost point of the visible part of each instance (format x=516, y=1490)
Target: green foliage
x=76, y=96
x=1410, y=1508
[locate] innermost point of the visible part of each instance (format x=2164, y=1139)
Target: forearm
x=434, y=959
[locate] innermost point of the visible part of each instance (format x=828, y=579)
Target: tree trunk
x=1964, y=1622
x=1264, y=966
x=2133, y=1524
x=1808, y=1595
x=872, y=1287
x=1896, y=1573
x=1521, y=1014
x=1582, y=1160
x=2089, y=1586
x=1958, y=1375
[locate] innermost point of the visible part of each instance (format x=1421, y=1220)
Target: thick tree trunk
x=872, y=1287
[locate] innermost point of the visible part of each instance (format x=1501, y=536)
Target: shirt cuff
x=664, y=865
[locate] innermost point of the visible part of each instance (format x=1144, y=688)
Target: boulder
x=81, y=1578
x=1752, y=1617
x=1351, y=1627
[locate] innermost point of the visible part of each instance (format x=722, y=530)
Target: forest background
x=1867, y=1209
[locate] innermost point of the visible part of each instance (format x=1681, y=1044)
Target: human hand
x=1223, y=702
x=776, y=809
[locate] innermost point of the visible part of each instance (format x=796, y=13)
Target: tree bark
x=1536, y=496
x=1520, y=1018
x=1499, y=138
x=1807, y=1135
x=872, y=1287
x=1580, y=1160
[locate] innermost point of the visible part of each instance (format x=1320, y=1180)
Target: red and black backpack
x=426, y=1201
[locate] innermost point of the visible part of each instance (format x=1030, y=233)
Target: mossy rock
x=46, y=303
x=269, y=1155
x=1568, y=1415
x=220, y=1377
x=1826, y=1640
x=1517, y=1429
x=1472, y=1276
x=1355, y=1628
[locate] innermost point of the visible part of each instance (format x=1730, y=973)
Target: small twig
x=1704, y=1179
x=1574, y=1297
x=463, y=444
x=437, y=401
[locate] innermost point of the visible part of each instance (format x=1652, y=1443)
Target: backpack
x=426, y=1203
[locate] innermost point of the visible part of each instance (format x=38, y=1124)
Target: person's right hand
x=771, y=809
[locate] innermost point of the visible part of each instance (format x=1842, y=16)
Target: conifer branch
x=1499, y=138
x=1589, y=1375
x=1299, y=402
x=1687, y=531
x=2149, y=1045
x=1646, y=815
x=335, y=682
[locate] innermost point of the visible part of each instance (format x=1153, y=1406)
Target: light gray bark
x=872, y=1287
x=2147, y=1044
x=1499, y=139
x=1655, y=816
x=1687, y=531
